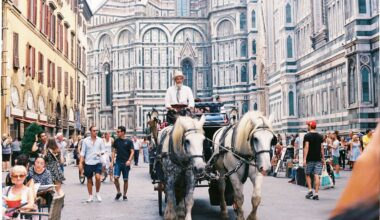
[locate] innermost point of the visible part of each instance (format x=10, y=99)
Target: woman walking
x=145, y=145
x=106, y=157
x=53, y=164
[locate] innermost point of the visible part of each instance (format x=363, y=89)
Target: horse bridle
x=256, y=153
x=187, y=132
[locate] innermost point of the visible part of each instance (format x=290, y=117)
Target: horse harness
x=245, y=160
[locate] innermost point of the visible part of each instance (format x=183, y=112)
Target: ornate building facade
x=43, y=75
x=323, y=63
x=135, y=46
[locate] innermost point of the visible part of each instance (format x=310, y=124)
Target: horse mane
x=250, y=121
x=180, y=128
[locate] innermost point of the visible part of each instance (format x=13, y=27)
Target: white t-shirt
x=136, y=145
x=335, y=150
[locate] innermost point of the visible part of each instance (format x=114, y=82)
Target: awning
x=31, y=121
x=47, y=125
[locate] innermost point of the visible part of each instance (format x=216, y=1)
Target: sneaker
x=309, y=195
x=98, y=197
x=125, y=198
x=118, y=195
x=316, y=197
x=90, y=199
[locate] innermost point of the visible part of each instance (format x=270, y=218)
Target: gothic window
x=125, y=37
x=365, y=84
x=288, y=13
x=243, y=21
x=243, y=74
x=245, y=107
x=155, y=35
x=243, y=51
x=291, y=103
x=188, y=34
x=182, y=7
x=237, y=74
x=255, y=106
x=362, y=6
x=254, y=47
x=253, y=19
x=225, y=28
x=289, y=45
x=104, y=42
x=254, y=71
x=352, y=82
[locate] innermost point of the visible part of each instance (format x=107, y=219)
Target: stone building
x=43, y=74
x=135, y=46
x=323, y=63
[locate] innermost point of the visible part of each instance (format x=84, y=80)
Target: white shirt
x=185, y=96
x=136, y=145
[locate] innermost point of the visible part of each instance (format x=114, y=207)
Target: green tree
x=30, y=137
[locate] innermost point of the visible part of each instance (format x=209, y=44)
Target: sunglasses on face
x=94, y=130
x=18, y=176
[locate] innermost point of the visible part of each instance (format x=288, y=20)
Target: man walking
x=136, y=146
x=123, y=148
x=313, y=157
x=62, y=146
x=92, y=148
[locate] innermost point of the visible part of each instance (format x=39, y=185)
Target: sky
x=94, y=4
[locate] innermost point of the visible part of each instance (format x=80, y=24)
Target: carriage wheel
x=159, y=190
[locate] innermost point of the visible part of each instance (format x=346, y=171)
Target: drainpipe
x=3, y=60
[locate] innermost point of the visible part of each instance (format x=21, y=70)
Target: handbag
x=325, y=180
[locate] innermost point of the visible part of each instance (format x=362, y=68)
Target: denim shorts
x=314, y=167
x=121, y=167
x=89, y=170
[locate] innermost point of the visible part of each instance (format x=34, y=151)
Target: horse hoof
x=224, y=215
x=252, y=217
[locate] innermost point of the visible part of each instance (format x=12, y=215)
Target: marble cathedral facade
x=323, y=64
x=135, y=46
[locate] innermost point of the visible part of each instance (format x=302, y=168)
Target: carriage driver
x=177, y=94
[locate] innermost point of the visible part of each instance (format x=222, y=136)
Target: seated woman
x=22, y=160
x=41, y=175
x=19, y=190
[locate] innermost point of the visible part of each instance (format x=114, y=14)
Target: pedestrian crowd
x=330, y=151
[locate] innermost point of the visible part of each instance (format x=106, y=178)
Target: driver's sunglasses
x=118, y=131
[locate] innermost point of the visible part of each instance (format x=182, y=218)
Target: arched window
x=289, y=45
x=352, y=82
x=237, y=74
x=254, y=71
x=362, y=6
x=255, y=106
x=243, y=21
x=243, y=50
x=243, y=73
x=108, y=84
x=288, y=13
x=254, y=47
x=365, y=84
x=245, y=107
x=291, y=103
x=253, y=14
x=187, y=69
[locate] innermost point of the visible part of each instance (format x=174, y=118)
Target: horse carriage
x=192, y=153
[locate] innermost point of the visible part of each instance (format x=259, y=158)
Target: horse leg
x=256, y=195
x=189, y=200
x=238, y=195
x=181, y=210
x=170, y=213
x=222, y=188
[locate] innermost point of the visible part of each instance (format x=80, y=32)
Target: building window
x=289, y=45
x=254, y=47
x=40, y=67
x=253, y=19
x=182, y=8
x=108, y=84
x=16, y=63
x=243, y=50
x=187, y=69
x=254, y=71
x=32, y=11
x=291, y=103
x=288, y=13
x=243, y=21
x=255, y=106
x=352, y=83
x=362, y=6
x=243, y=74
x=365, y=84
x=245, y=107
x=59, y=79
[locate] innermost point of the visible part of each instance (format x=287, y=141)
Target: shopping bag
x=326, y=181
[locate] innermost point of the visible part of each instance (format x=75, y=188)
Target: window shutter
x=78, y=92
x=59, y=79
x=84, y=94
x=27, y=70
x=41, y=15
x=66, y=82
x=33, y=65
x=16, y=63
x=40, y=67
x=53, y=75
x=71, y=88
x=35, y=12
x=28, y=9
x=47, y=20
x=48, y=73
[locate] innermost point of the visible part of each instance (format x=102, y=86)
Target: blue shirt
x=91, y=151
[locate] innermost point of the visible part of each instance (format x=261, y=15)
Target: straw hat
x=178, y=74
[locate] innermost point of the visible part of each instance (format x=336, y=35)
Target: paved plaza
x=281, y=200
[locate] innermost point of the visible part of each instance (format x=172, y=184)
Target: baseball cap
x=312, y=124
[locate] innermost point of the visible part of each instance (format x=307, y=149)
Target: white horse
x=182, y=159
x=249, y=143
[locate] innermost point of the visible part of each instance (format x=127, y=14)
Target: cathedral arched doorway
x=188, y=70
